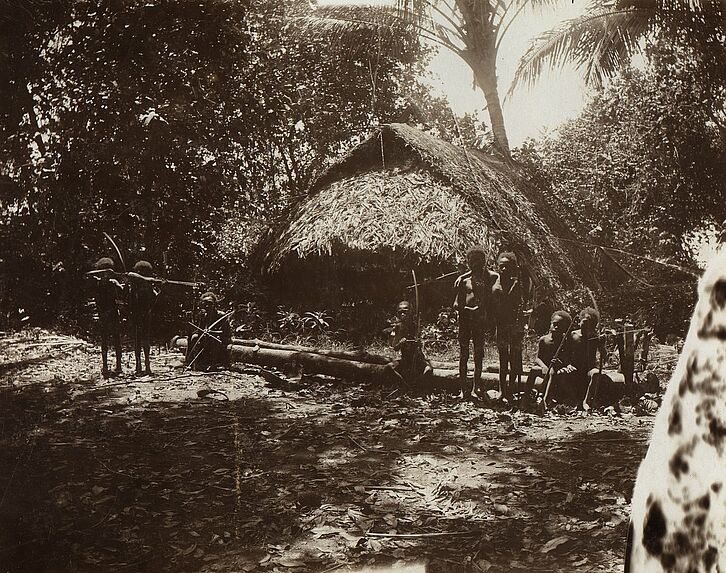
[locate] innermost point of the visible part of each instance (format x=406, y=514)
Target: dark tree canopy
x=154, y=121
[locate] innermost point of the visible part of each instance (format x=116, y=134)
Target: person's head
x=208, y=301
x=561, y=321
x=507, y=264
x=476, y=258
x=144, y=268
x=588, y=319
x=403, y=310
x=104, y=263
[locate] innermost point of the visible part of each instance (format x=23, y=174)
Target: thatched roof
x=403, y=192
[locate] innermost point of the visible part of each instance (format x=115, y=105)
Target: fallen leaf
x=289, y=562
x=553, y=544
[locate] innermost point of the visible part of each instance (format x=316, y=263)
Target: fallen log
x=357, y=356
x=612, y=386
x=309, y=362
x=313, y=363
x=443, y=370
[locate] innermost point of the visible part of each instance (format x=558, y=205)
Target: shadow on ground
x=133, y=476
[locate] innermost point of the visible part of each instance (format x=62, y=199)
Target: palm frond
x=507, y=12
x=597, y=43
x=604, y=38
x=372, y=22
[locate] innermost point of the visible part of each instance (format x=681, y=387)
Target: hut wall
x=324, y=283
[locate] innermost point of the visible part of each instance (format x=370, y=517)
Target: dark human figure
x=539, y=320
x=508, y=312
x=207, y=348
x=108, y=291
x=585, y=345
x=412, y=367
x=473, y=302
x=142, y=298
x=552, y=353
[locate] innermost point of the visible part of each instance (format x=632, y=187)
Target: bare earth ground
x=144, y=475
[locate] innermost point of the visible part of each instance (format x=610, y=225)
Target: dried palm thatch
x=409, y=198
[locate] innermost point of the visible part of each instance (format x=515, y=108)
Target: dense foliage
x=643, y=167
x=179, y=128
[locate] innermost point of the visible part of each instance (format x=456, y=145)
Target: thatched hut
x=405, y=200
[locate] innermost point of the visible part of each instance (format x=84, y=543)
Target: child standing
x=473, y=302
x=142, y=298
x=507, y=297
x=108, y=291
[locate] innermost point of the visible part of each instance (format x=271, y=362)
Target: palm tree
x=472, y=29
x=610, y=32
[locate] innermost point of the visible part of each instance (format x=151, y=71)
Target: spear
x=418, y=307
x=549, y=374
x=428, y=281
x=137, y=276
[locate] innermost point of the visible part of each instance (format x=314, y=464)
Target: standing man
x=473, y=302
x=508, y=301
x=142, y=298
x=108, y=291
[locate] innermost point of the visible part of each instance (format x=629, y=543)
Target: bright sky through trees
x=557, y=96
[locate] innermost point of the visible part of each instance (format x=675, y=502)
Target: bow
x=418, y=308
x=118, y=251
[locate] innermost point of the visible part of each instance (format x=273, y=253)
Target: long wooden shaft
x=147, y=279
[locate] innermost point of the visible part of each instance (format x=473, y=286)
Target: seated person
x=207, y=347
x=412, y=367
x=552, y=353
x=585, y=345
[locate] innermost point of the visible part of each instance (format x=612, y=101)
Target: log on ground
x=357, y=356
x=308, y=362
x=444, y=370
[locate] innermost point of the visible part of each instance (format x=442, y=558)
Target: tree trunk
x=485, y=72
x=480, y=38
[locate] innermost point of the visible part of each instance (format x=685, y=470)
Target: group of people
x=139, y=289
x=485, y=300
x=494, y=301
x=141, y=300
